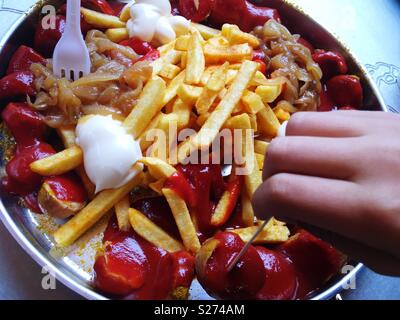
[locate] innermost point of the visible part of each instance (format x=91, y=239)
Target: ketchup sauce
x=207, y=186
x=123, y=267
x=101, y=5
x=183, y=265
x=187, y=8
x=67, y=187
x=331, y=63
x=314, y=261
x=23, y=58
x=158, y=211
x=280, y=276
x=25, y=123
x=139, y=46
x=243, y=13
x=20, y=179
x=202, y=186
x=16, y=85
x=246, y=278
x=46, y=39
x=181, y=186
x=133, y=268
x=29, y=131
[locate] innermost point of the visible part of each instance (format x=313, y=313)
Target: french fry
x=226, y=205
x=144, y=142
x=253, y=122
x=239, y=122
x=252, y=102
x=153, y=233
x=273, y=233
x=235, y=53
x=218, y=78
x=68, y=137
x=253, y=178
x=173, y=86
x=260, y=160
x=247, y=210
x=231, y=75
x=183, y=220
x=117, y=34
x=184, y=60
x=222, y=93
x=101, y=20
x=158, y=150
x=207, y=75
x=218, y=219
x=170, y=56
x=219, y=42
x=205, y=31
x=182, y=43
x=122, y=213
x=59, y=163
x=169, y=71
x=189, y=94
x=149, y=104
x=195, y=61
x=236, y=36
x=268, y=123
x=158, y=168
x=93, y=79
x=281, y=114
x=168, y=125
x=93, y=212
x=287, y=106
x=166, y=48
x=269, y=93
x=157, y=186
x=182, y=111
x=125, y=14
x=261, y=147
x=210, y=130
x=205, y=101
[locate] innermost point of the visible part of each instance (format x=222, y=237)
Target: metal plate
x=73, y=268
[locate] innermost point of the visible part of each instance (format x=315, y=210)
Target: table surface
x=368, y=27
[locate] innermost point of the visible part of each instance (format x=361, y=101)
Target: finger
x=377, y=260
x=322, y=157
x=328, y=204
x=329, y=124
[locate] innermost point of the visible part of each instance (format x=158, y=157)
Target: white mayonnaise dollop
x=152, y=20
x=109, y=151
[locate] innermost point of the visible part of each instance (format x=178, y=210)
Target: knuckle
x=277, y=188
x=295, y=122
x=278, y=149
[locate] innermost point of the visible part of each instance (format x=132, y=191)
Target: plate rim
x=90, y=293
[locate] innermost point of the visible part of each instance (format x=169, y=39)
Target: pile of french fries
x=206, y=81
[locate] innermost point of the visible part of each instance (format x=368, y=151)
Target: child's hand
x=338, y=174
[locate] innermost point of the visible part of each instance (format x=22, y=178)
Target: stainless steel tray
x=73, y=268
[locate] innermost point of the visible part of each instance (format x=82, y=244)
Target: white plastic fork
x=71, y=56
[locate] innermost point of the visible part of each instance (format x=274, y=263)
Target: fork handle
x=74, y=16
